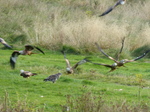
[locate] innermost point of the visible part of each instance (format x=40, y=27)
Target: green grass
x=122, y=84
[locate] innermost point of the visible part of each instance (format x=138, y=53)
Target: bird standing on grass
x=119, y=2
x=28, y=51
x=70, y=69
x=26, y=74
x=53, y=78
x=5, y=43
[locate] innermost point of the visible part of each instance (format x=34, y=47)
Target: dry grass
x=75, y=23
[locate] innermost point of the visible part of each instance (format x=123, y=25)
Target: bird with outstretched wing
x=122, y=62
x=70, y=69
x=27, y=51
x=119, y=2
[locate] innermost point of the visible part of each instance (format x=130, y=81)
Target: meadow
x=75, y=26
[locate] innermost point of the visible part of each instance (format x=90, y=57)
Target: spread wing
x=106, y=65
x=39, y=50
x=105, y=53
x=138, y=57
x=29, y=47
x=13, y=59
x=80, y=62
x=67, y=61
x=110, y=9
x=118, y=56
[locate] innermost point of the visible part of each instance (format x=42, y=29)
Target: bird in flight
x=123, y=61
x=27, y=51
x=26, y=74
x=70, y=69
x=53, y=78
x=5, y=43
x=119, y=2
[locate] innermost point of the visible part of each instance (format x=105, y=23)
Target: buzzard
x=53, y=78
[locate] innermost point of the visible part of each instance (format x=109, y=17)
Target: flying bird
x=26, y=74
x=5, y=43
x=123, y=61
x=70, y=69
x=27, y=51
x=53, y=78
x=119, y=2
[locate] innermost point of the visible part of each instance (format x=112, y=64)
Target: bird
x=70, y=69
x=113, y=66
x=123, y=61
x=5, y=43
x=26, y=74
x=119, y=2
x=53, y=78
x=27, y=51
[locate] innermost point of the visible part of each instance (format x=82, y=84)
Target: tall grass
x=75, y=23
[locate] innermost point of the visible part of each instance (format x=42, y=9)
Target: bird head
x=122, y=2
x=114, y=64
x=21, y=71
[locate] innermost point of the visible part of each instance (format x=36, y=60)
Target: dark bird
x=70, y=69
x=119, y=2
x=26, y=74
x=122, y=62
x=27, y=51
x=53, y=78
x=5, y=43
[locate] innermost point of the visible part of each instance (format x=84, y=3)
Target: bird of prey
x=5, y=43
x=123, y=61
x=53, y=78
x=27, y=51
x=26, y=74
x=70, y=69
x=119, y=2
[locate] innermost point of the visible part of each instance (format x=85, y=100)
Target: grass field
x=74, y=25
x=130, y=86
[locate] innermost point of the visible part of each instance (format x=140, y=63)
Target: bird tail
x=34, y=74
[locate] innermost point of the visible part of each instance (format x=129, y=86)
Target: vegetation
x=74, y=25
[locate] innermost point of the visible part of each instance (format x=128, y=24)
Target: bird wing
x=39, y=50
x=13, y=58
x=137, y=58
x=118, y=56
x=110, y=9
x=29, y=47
x=67, y=61
x=6, y=45
x=105, y=53
x=80, y=62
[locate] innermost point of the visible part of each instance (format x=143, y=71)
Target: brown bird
x=70, y=69
x=119, y=2
x=122, y=62
x=26, y=74
x=28, y=51
x=53, y=78
x=5, y=43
